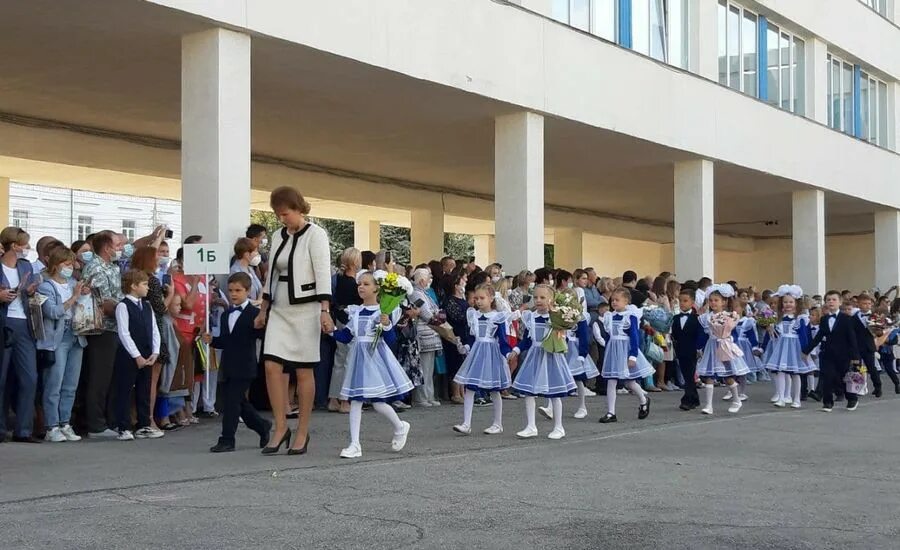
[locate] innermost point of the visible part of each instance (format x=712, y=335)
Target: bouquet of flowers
x=565, y=312
x=653, y=344
x=658, y=318
x=856, y=380
x=765, y=317
x=392, y=289
x=721, y=324
x=878, y=323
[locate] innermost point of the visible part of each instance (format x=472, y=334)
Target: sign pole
x=206, y=331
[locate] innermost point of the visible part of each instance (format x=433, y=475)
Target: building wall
x=611, y=256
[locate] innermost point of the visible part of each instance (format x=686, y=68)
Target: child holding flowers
x=786, y=358
x=544, y=371
x=722, y=358
x=623, y=359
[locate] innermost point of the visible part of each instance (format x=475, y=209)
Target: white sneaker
x=780, y=404
x=422, y=404
x=399, y=440
x=462, y=429
x=775, y=399
x=69, y=433
x=743, y=397
x=588, y=392
x=825, y=409
x=194, y=419
x=671, y=387
x=353, y=451
x=706, y=410
x=557, y=434
x=493, y=429
x=853, y=406
x=108, y=433
x=147, y=433
x=580, y=413
x=435, y=403
x=795, y=405
x=55, y=435
x=125, y=435
x=735, y=406
x=622, y=391
x=547, y=412
x=400, y=405
x=727, y=397
x=527, y=433
x=788, y=400
x=240, y=420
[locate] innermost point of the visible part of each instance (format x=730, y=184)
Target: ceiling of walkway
x=115, y=65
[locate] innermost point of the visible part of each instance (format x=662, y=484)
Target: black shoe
x=285, y=440
x=302, y=450
x=896, y=388
x=26, y=439
x=804, y=397
x=608, y=418
x=644, y=410
x=877, y=392
x=814, y=396
x=685, y=407
x=221, y=448
x=264, y=435
x=838, y=398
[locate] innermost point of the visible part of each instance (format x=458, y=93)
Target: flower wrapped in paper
x=658, y=318
x=721, y=326
x=565, y=313
x=856, y=380
x=879, y=323
x=765, y=317
x=392, y=290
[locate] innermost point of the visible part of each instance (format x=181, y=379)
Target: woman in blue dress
x=372, y=372
x=485, y=368
x=542, y=373
x=623, y=359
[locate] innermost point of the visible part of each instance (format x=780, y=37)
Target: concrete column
x=694, y=238
x=485, y=250
x=703, y=57
x=367, y=235
x=4, y=201
x=887, y=249
x=426, y=234
x=519, y=186
x=809, y=240
x=568, y=248
x=816, y=80
x=215, y=134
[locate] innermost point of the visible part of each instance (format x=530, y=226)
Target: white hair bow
x=726, y=290
x=794, y=291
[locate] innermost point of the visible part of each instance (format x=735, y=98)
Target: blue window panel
x=857, y=104
x=625, y=23
x=762, y=65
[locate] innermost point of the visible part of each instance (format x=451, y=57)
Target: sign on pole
x=207, y=259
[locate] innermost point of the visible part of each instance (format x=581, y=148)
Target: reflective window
x=749, y=53
x=604, y=19
x=784, y=46
x=734, y=47
x=798, y=69
x=881, y=6
x=640, y=26
x=847, y=97
x=658, y=36
x=723, y=39
x=774, y=74
x=882, y=116
x=678, y=26
x=580, y=14
x=738, y=48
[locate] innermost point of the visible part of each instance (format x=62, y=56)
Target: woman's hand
x=7, y=295
x=260, y=320
x=326, y=322
x=412, y=313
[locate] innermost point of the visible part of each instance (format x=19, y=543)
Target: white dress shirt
x=124, y=333
x=235, y=315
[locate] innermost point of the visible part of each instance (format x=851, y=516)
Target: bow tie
x=235, y=308
x=483, y=318
x=685, y=312
x=617, y=317
x=831, y=316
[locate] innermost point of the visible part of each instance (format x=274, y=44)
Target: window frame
x=84, y=226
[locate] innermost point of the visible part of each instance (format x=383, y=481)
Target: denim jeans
x=61, y=381
x=20, y=360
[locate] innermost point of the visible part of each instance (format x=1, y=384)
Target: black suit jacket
x=839, y=345
x=239, y=359
x=864, y=338
x=687, y=340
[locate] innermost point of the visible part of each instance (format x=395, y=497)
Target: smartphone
x=526, y=299
x=419, y=303
x=167, y=279
x=169, y=234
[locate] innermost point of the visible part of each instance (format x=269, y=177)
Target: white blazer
x=309, y=265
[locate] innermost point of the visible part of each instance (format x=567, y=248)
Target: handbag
x=87, y=316
x=45, y=358
x=36, y=316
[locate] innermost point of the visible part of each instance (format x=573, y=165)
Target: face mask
x=22, y=254
x=255, y=260
x=66, y=272
x=571, y=285
x=117, y=255
x=87, y=257
x=128, y=251
x=264, y=242
x=495, y=279
x=163, y=261
x=530, y=286
x=31, y=255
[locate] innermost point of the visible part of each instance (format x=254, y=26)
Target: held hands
x=385, y=321
x=260, y=321
x=513, y=360
x=632, y=362
x=141, y=362
x=207, y=338
x=327, y=323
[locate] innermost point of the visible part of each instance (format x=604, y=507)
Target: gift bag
x=87, y=317
x=857, y=383
x=36, y=315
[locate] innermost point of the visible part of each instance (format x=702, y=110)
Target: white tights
x=581, y=394
x=382, y=408
x=531, y=407
x=469, y=404
x=611, y=393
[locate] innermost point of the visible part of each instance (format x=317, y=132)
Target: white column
x=809, y=240
x=485, y=250
x=426, y=234
x=816, y=80
x=568, y=248
x=367, y=235
x=887, y=249
x=215, y=134
x=519, y=190
x=703, y=58
x=4, y=201
x=694, y=251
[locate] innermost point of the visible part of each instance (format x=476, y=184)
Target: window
x=880, y=6
x=773, y=74
x=738, y=48
x=869, y=109
x=128, y=227
x=604, y=19
x=20, y=219
x=595, y=16
x=798, y=67
x=748, y=54
x=785, y=70
x=85, y=227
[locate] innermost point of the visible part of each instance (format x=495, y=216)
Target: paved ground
x=765, y=478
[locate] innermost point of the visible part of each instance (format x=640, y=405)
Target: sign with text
x=207, y=258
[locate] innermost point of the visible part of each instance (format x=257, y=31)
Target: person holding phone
x=423, y=310
x=17, y=283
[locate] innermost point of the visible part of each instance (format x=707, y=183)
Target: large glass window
x=580, y=14
x=872, y=110
x=835, y=93
x=749, y=53
x=882, y=116
x=734, y=47
x=799, y=70
x=678, y=25
x=604, y=19
x=594, y=16
x=864, y=105
x=738, y=48
x=640, y=26
x=881, y=6
x=784, y=47
x=723, y=42
x=847, y=97
x=658, y=36
x=772, y=67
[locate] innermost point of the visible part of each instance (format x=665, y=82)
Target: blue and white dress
x=786, y=355
x=578, y=356
x=709, y=365
x=373, y=373
x=541, y=373
x=745, y=336
x=624, y=342
x=485, y=367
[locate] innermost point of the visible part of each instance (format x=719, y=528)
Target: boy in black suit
x=237, y=340
x=866, y=340
x=838, y=348
x=688, y=337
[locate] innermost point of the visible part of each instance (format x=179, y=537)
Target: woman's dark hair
x=447, y=283
x=542, y=276
x=477, y=278
x=895, y=306
x=76, y=246
x=642, y=285
x=368, y=258
x=290, y=198
x=562, y=275
x=659, y=285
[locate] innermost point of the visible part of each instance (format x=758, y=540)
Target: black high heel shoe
x=302, y=450
x=285, y=440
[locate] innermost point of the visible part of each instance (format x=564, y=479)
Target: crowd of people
x=289, y=331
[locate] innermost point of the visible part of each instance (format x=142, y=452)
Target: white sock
x=556, y=403
x=530, y=406
x=388, y=412
x=611, y=395
x=779, y=385
x=549, y=404
x=355, y=421
x=581, y=394
x=497, y=400
x=796, y=387
x=708, y=395
x=787, y=386
x=735, y=392
x=468, y=405
x=638, y=390
x=742, y=385
x=811, y=382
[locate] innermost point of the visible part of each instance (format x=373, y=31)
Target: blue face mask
x=128, y=250
x=66, y=272
x=87, y=257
